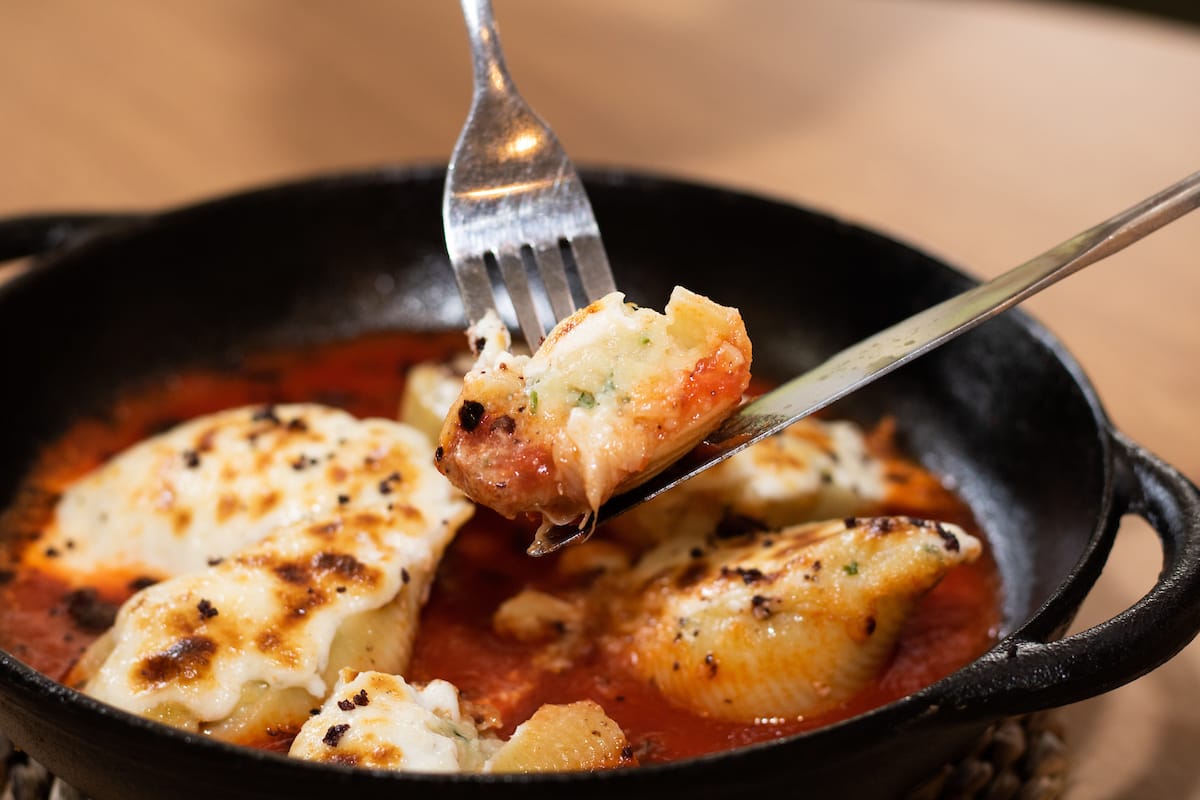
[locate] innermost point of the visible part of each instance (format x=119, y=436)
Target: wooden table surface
x=981, y=131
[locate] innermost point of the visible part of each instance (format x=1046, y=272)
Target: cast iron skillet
x=1004, y=410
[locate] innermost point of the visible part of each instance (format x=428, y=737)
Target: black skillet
x=1004, y=409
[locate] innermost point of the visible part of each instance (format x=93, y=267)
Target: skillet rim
x=1052, y=616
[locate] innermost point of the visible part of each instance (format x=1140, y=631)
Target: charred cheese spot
x=186, y=661
x=227, y=506
x=266, y=502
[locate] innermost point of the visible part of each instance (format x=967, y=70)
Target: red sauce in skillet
x=48, y=624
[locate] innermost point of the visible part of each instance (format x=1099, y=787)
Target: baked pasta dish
x=322, y=553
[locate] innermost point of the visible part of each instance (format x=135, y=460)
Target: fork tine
x=512, y=269
x=592, y=264
x=511, y=191
x=475, y=287
x=554, y=277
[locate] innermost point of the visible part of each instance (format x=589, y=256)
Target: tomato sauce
x=48, y=623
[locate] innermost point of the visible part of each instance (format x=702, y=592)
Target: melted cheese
x=613, y=395
x=812, y=470
x=216, y=484
x=381, y=721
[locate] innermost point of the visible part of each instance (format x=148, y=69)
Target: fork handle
x=491, y=73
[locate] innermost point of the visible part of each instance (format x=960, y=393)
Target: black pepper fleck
x=949, y=540
x=303, y=462
x=206, y=609
x=334, y=735
x=760, y=606
x=470, y=414
x=266, y=414
x=388, y=484
x=882, y=525
x=191, y=459
x=748, y=576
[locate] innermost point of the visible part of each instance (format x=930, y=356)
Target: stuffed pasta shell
x=218, y=483
x=787, y=623
x=614, y=394
x=382, y=721
x=242, y=645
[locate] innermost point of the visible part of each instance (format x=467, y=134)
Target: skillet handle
x=1023, y=676
x=35, y=234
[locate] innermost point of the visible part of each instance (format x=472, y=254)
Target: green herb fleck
x=851, y=568
x=586, y=400
x=645, y=340
x=533, y=402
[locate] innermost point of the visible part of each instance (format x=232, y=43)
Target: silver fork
x=513, y=200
